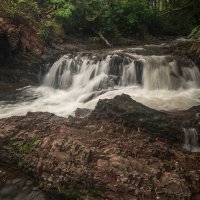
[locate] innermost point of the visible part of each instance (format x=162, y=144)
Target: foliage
x=78, y=189
x=62, y=8
x=70, y=190
x=195, y=33
x=178, y=17
x=109, y=17
x=174, y=24
x=49, y=29
x=15, y=8
x=26, y=147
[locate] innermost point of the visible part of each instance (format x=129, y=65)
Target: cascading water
x=191, y=140
x=152, y=73
x=160, y=82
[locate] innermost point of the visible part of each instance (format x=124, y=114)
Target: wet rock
x=122, y=150
x=14, y=185
x=81, y=113
x=124, y=110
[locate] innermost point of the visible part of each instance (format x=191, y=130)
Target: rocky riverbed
x=14, y=185
x=121, y=150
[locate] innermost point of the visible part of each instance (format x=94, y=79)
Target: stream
x=148, y=74
x=159, y=81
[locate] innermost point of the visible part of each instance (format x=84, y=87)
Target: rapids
x=162, y=82
x=191, y=140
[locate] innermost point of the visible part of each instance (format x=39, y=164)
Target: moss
x=71, y=191
x=195, y=33
x=74, y=190
x=26, y=147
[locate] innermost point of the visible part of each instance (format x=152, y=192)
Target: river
x=148, y=74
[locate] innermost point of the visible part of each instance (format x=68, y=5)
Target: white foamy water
x=160, y=82
x=191, y=140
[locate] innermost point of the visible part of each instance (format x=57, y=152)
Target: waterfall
x=191, y=140
x=150, y=72
x=161, y=82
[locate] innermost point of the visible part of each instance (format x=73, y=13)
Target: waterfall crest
x=149, y=72
x=161, y=82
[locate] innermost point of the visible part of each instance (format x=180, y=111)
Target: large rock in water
x=124, y=110
x=118, y=152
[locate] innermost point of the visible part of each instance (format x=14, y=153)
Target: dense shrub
x=195, y=33
x=113, y=18
x=49, y=29
x=15, y=8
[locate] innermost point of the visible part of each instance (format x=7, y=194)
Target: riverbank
x=14, y=185
x=29, y=69
x=108, y=154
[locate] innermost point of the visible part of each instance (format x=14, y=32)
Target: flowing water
x=191, y=140
x=162, y=82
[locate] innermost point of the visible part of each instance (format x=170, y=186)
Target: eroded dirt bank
x=121, y=150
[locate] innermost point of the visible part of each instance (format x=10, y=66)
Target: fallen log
x=104, y=39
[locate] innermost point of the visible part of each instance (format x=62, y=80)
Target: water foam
x=191, y=140
x=160, y=82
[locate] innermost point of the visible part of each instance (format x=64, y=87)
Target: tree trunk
x=175, y=10
x=165, y=5
x=104, y=39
